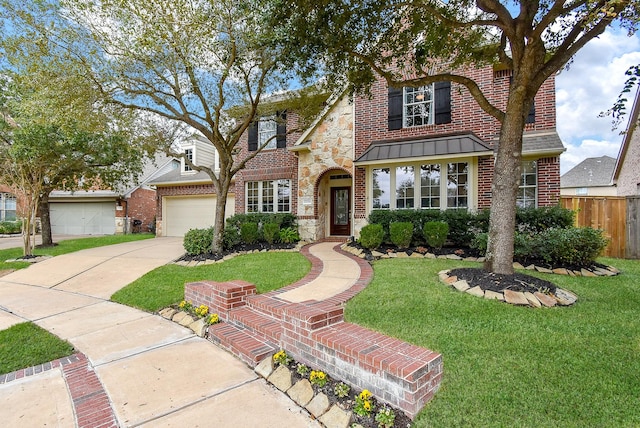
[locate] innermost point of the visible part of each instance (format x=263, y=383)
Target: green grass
x=26, y=344
x=508, y=366
x=67, y=246
x=164, y=286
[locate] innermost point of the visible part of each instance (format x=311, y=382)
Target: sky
x=589, y=86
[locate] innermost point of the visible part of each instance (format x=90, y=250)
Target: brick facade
x=141, y=205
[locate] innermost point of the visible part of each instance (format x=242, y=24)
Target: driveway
x=153, y=371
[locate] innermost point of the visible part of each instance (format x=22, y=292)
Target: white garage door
x=195, y=212
x=83, y=218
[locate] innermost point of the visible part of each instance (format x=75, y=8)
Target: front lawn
x=25, y=345
x=164, y=286
x=68, y=246
x=516, y=366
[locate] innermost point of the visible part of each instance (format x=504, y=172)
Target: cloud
x=591, y=85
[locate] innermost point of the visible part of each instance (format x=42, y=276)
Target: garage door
x=83, y=218
x=183, y=213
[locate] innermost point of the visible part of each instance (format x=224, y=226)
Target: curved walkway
x=136, y=368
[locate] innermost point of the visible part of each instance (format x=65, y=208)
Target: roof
x=176, y=176
x=590, y=172
x=541, y=143
x=626, y=142
x=444, y=145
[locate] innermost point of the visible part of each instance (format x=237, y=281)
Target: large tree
x=419, y=42
x=204, y=65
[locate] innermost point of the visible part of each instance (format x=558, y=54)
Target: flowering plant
x=201, y=310
x=212, y=319
x=341, y=390
x=186, y=306
x=302, y=370
x=363, y=406
x=318, y=378
x=385, y=417
x=282, y=358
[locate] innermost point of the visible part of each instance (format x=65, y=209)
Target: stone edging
x=535, y=300
x=32, y=260
x=194, y=263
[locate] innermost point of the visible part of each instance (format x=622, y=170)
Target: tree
x=54, y=134
x=415, y=43
x=205, y=66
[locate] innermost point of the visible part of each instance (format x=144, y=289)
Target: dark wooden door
x=340, y=211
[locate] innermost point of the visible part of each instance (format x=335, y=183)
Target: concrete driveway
x=15, y=241
x=153, y=372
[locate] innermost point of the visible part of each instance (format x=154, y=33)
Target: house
x=626, y=175
x=186, y=199
x=591, y=177
x=8, y=204
x=104, y=211
x=402, y=148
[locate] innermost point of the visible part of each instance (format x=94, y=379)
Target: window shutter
x=442, y=102
x=253, y=136
x=395, y=108
x=281, y=130
x=531, y=117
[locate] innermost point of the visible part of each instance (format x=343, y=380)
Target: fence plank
x=606, y=213
x=633, y=228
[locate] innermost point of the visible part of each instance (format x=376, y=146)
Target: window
x=381, y=188
x=430, y=186
x=267, y=128
x=528, y=185
x=268, y=196
x=7, y=207
x=418, y=106
x=432, y=193
x=189, y=155
x=405, y=183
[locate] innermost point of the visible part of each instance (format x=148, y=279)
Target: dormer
x=200, y=153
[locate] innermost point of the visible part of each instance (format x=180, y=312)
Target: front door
x=340, y=215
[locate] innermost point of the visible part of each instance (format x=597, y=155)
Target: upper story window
x=189, y=155
x=7, y=207
x=418, y=106
x=425, y=105
x=267, y=128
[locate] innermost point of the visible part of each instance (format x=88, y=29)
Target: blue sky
x=591, y=85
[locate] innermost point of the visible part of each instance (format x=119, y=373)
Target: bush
x=371, y=236
x=198, y=241
x=401, y=233
x=435, y=233
x=575, y=246
x=9, y=227
x=231, y=237
x=282, y=219
x=534, y=220
x=249, y=232
x=289, y=235
x=271, y=232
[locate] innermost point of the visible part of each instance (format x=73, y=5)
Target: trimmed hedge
x=464, y=226
x=435, y=233
x=371, y=236
x=281, y=227
x=198, y=241
x=401, y=233
x=9, y=227
x=249, y=232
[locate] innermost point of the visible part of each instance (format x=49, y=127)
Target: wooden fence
x=618, y=216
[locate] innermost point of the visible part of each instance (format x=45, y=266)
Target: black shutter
x=253, y=136
x=531, y=117
x=442, y=102
x=281, y=130
x=395, y=108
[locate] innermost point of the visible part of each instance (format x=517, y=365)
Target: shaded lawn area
x=515, y=366
x=25, y=345
x=68, y=246
x=164, y=286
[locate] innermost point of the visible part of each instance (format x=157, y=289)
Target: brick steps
x=249, y=346
x=256, y=322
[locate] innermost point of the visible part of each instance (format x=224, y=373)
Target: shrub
x=198, y=241
x=435, y=232
x=534, y=220
x=231, y=237
x=371, y=236
x=8, y=227
x=249, y=232
x=282, y=219
x=575, y=246
x=271, y=232
x=401, y=233
x=289, y=235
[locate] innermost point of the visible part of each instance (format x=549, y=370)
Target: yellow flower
x=367, y=405
x=365, y=394
x=182, y=304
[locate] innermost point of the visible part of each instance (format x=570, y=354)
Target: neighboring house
x=8, y=204
x=591, y=177
x=626, y=174
x=186, y=199
x=402, y=148
x=105, y=212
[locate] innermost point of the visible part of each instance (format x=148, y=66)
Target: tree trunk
x=221, y=205
x=504, y=188
x=45, y=220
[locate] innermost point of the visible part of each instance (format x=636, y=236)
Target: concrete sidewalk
x=133, y=368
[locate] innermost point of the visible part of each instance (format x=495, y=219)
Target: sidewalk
x=135, y=368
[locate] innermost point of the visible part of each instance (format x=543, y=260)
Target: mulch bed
x=236, y=249
x=497, y=282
